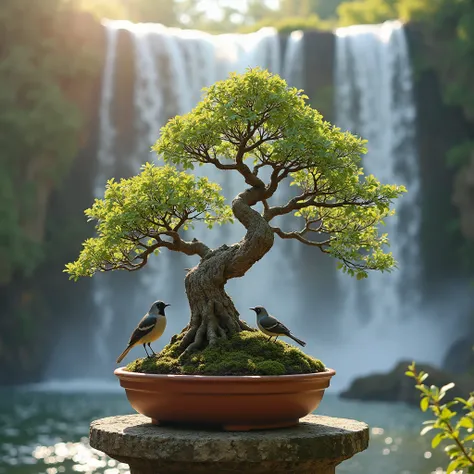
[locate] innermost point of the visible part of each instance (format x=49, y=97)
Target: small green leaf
x=425, y=401
x=436, y=440
x=466, y=422
x=426, y=429
x=447, y=387
x=423, y=388
x=453, y=465
x=452, y=449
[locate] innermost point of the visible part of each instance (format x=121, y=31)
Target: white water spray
x=293, y=66
x=374, y=99
x=382, y=319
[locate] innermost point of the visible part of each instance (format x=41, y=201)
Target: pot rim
x=120, y=372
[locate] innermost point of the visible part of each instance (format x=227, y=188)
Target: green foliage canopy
x=289, y=24
x=163, y=11
x=244, y=124
x=255, y=117
x=366, y=12
x=136, y=214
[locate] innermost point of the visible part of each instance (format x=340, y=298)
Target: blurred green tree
x=324, y=9
x=39, y=124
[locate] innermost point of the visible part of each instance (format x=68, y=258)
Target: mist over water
x=367, y=325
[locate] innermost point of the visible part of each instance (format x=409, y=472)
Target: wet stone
x=317, y=445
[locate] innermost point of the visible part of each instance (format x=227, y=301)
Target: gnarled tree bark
x=213, y=314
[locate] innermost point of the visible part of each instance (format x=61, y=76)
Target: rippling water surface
x=44, y=431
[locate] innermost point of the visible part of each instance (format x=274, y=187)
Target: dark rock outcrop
x=395, y=386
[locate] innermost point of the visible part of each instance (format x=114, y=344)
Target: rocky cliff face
x=463, y=197
x=439, y=128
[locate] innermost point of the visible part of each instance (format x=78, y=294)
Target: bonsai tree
x=247, y=124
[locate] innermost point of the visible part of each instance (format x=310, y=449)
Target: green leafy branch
x=140, y=215
x=459, y=433
x=246, y=124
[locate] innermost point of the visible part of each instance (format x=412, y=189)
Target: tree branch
x=308, y=199
x=299, y=236
x=202, y=154
x=258, y=239
x=195, y=247
x=294, y=204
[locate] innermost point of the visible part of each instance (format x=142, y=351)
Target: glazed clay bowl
x=235, y=403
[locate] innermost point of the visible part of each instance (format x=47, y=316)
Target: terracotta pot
x=235, y=403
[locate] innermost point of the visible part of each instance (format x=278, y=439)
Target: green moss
x=246, y=353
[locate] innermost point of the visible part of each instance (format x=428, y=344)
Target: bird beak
x=253, y=309
x=166, y=305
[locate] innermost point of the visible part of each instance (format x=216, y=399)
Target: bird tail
x=123, y=354
x=299, y=341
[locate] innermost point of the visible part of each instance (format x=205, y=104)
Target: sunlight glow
x=213, y=9
x=83, y=458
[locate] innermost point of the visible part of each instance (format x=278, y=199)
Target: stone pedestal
x=317, y=445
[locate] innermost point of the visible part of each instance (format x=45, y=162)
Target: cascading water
x=293, y=66
x=374, y=99
x=380, y=317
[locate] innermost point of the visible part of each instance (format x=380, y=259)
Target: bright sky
x=215, y=13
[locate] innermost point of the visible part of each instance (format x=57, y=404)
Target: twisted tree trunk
x=213, y=314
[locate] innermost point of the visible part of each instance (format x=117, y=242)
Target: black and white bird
x=272, y=327
x=149, y=329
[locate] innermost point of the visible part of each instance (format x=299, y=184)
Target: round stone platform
x=317, y=445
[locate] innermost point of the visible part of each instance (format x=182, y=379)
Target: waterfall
x=380, y=316
x=374, y=99
x=293, y=67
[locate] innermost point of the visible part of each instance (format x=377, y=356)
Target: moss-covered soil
x=246, y=353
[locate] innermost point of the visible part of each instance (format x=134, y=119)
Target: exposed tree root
x=210, y=321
